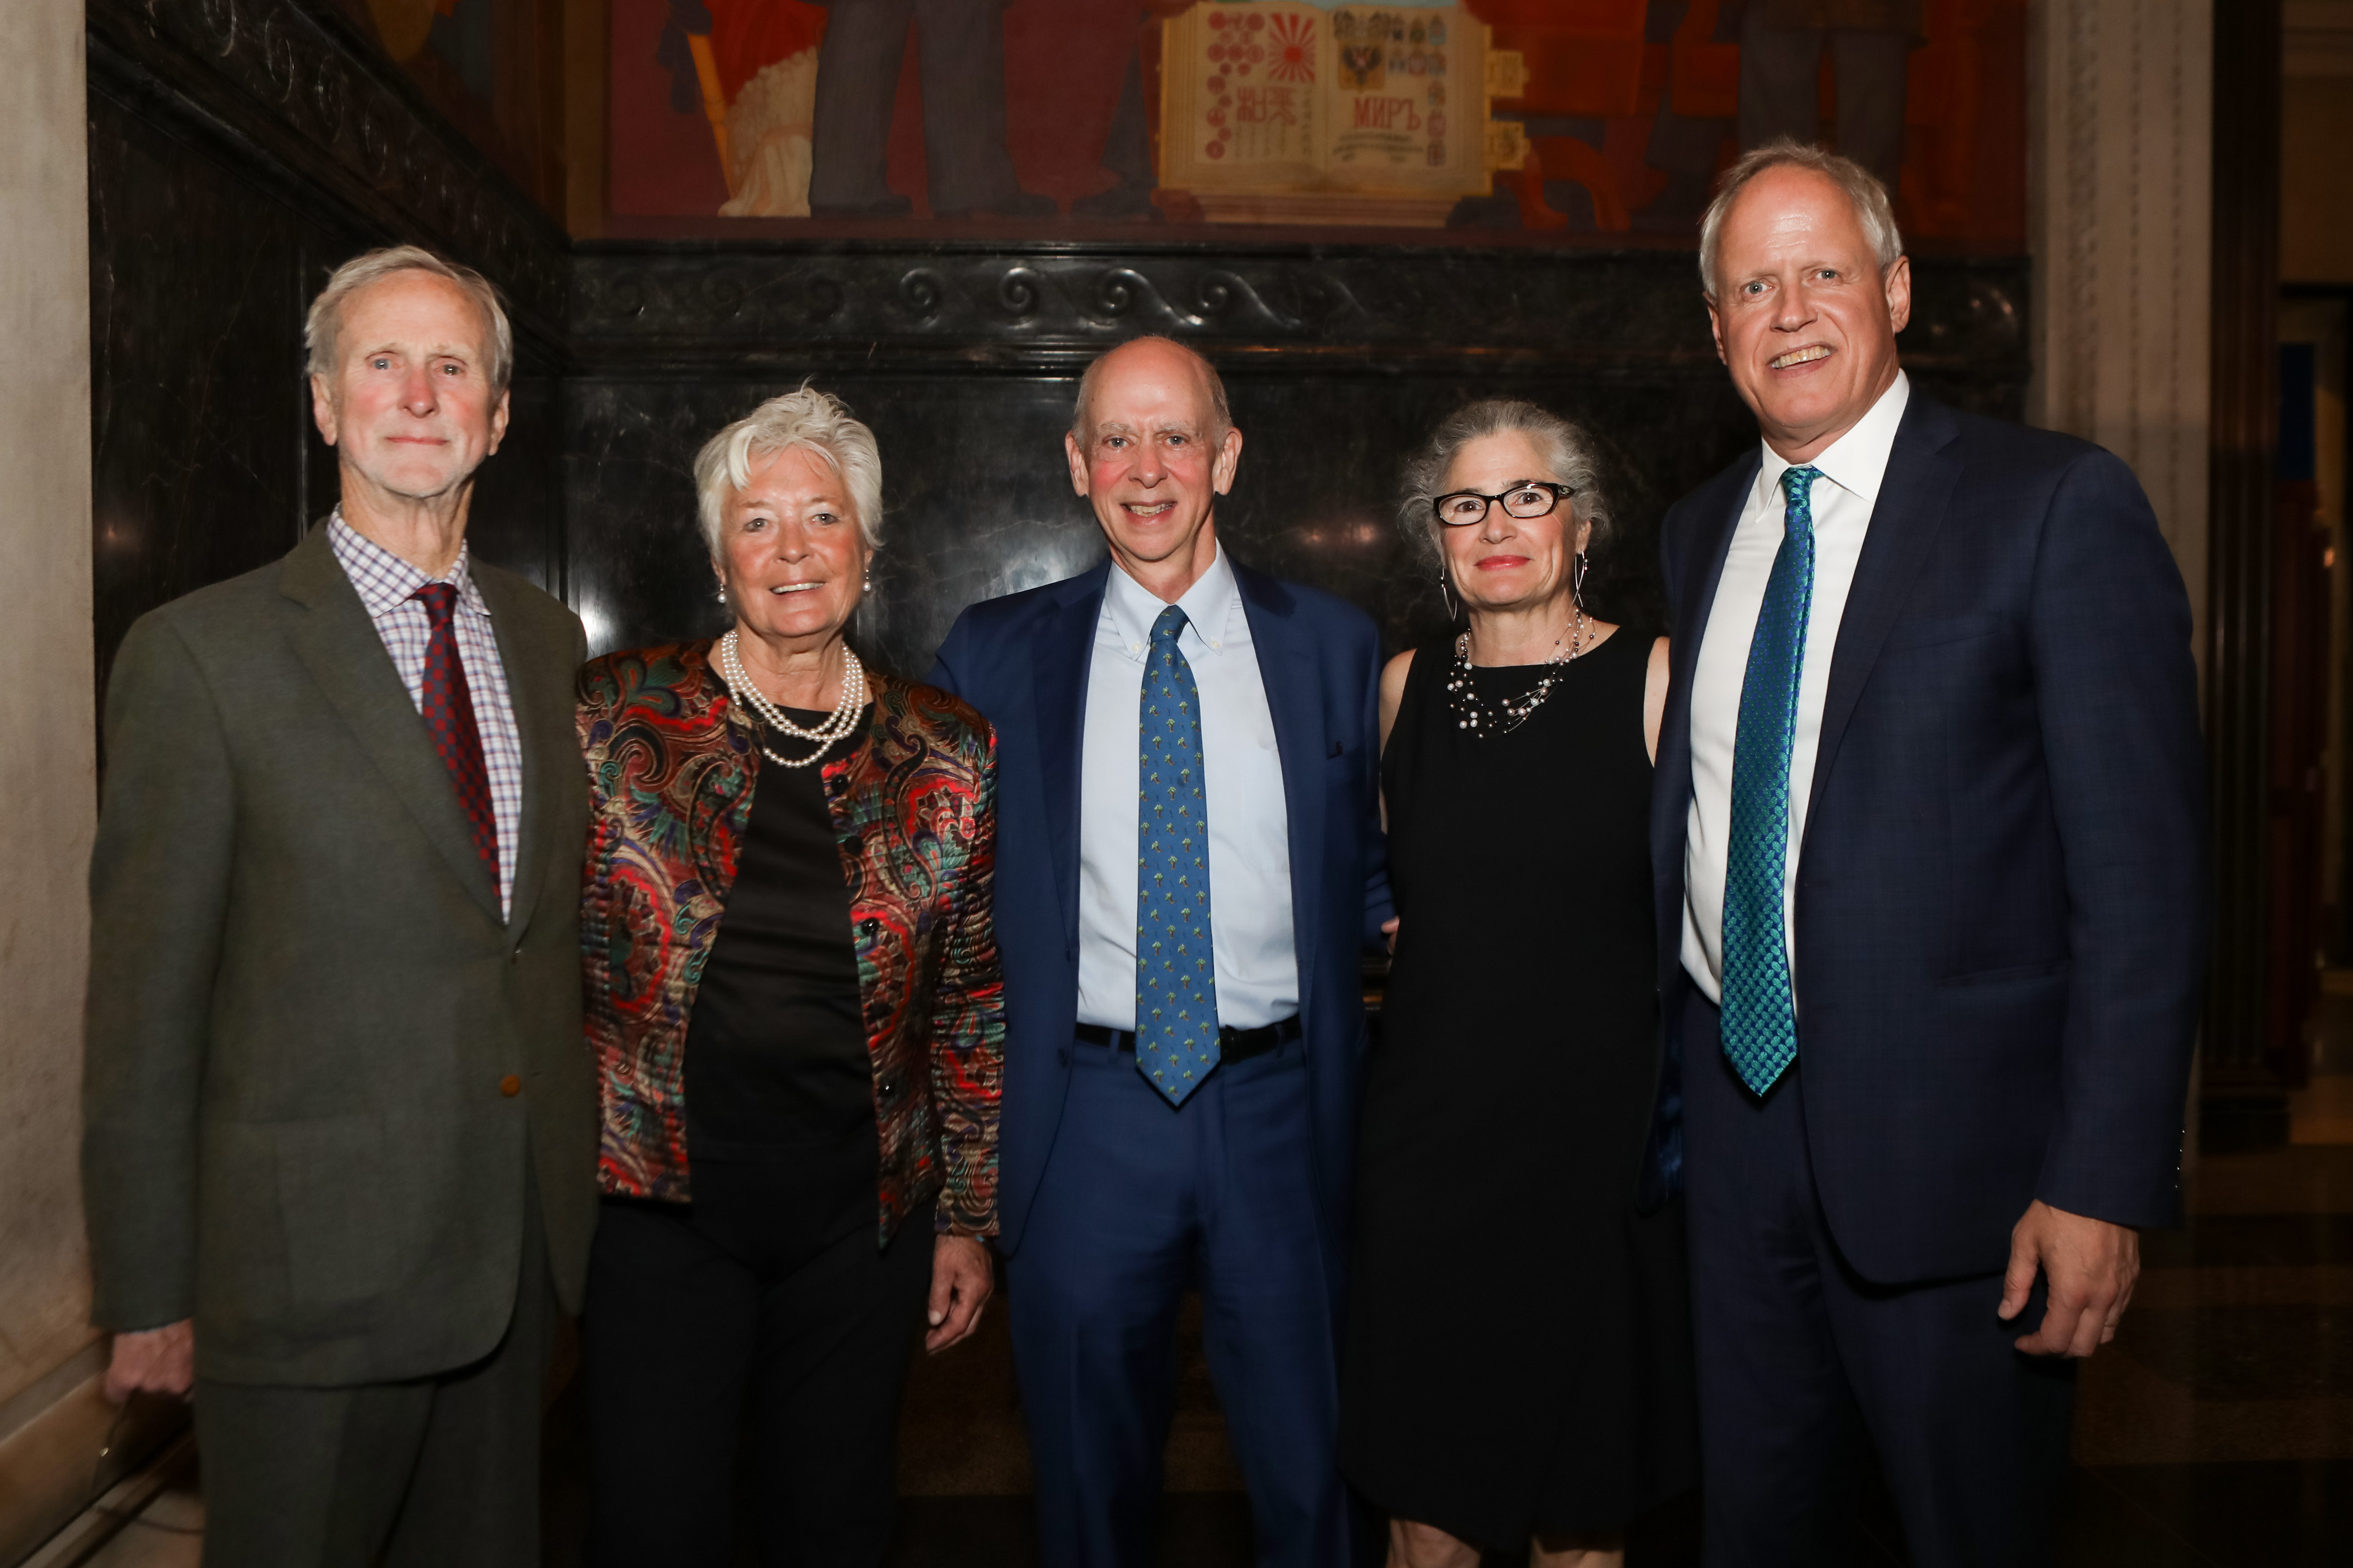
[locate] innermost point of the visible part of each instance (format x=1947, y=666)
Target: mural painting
x=1490, y=121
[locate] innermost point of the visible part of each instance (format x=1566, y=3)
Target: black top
x=1519, y=1351
x=780, y=1120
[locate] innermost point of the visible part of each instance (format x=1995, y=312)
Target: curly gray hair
x=1566, y=451
x=1864, y=191
x=806, y=420
x=321, y=327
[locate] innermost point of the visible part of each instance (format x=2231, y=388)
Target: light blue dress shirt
x=1250, y=842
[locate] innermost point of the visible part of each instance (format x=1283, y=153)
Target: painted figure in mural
x=1870, y=42
x=961, y=50
x=1931, y=903
x=795, y=1012
x=340, y=1135
x=1190, y=869
x=1518, y=1374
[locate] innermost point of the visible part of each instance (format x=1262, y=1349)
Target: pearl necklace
x=1472, y=711
x=843, y=719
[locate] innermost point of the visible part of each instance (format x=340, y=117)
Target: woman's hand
x=961, y=1281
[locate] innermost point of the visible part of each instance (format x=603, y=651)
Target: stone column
x=2119, y=214
x=47, y=766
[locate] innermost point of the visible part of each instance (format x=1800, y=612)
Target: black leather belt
x=1233, y=1044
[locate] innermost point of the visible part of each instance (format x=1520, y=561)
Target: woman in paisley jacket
x=795, y=1007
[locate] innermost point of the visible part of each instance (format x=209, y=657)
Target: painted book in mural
x=1293, y=113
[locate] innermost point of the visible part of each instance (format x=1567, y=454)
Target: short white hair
x=1863, y=193
x=322, y=326
x=804, y=419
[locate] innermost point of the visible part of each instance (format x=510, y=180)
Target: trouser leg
x=474, y=1497
x=1270, y=1306
x=827, y=1374
x=1871, y=88
x=1776, y=1412
x=667, y=1342
x=305, y=1478
x=962, y=48
x=857, y=84
x=1780, y=90
x=1093, y=1294
x=1971, y=1435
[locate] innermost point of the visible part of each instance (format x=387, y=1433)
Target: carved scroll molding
x=653, y=307
x=2120, y=128
x=291, y=86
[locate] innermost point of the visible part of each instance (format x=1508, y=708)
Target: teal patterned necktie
x=1760, y=1012
x=1176, y=967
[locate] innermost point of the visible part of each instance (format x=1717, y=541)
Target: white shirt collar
x=1210, y=607
x=1857, y=461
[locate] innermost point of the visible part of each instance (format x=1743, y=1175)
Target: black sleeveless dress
x=1519, y=1353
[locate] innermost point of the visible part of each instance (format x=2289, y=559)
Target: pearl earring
x=723, y=592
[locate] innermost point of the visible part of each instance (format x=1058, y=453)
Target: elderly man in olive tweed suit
x=341, y=1136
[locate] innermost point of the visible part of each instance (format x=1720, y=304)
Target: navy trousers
x=1139, y=1200
x=1801, y=1360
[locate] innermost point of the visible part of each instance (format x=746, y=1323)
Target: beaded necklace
x=1476, y=714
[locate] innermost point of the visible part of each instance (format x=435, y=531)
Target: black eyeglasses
x=1529, y=498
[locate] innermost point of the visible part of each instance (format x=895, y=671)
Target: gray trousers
x=960, y=44
x=1779, y=94
x=441, y=1471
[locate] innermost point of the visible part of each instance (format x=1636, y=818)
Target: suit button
x=515, y=954
x=869, y=927
x=511, y=1086
x=889, y=1089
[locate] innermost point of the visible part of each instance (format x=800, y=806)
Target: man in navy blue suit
x=1928, y=839
x=1188, y=866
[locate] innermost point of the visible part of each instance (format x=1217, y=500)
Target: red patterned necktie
x=449, y=710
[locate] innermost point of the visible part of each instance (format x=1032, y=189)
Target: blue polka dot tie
x=1760, y=1013
x=1176, y=967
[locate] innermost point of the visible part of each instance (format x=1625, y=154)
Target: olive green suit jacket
x=306, y=1013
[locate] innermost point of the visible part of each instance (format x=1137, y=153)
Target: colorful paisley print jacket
x=671, y=770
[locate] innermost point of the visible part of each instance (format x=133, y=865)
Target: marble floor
x=2216, y=1432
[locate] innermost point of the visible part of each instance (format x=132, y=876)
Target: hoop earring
x=1445, y=597
x=1576, y=584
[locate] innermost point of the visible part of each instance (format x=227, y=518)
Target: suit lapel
x=1921, y=473
x=1691, y=600
x=1286, y=669
x=534, y=721
x=1060, y=658
x=339, y=646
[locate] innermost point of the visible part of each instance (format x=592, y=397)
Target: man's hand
x=961, y=1283
x=1390, y=930
x=2091, y=1266
x=153, y=1361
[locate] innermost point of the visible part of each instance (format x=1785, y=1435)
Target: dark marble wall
x=1337, y=363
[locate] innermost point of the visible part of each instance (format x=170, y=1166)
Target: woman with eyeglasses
x=1518, y=1371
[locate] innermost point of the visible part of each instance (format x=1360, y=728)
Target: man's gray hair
x=804, y=420
x=324, y=323
x=1222, y=413
x=1863, y=193
x=1566, y=450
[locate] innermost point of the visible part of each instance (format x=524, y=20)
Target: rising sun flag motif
x=1291, y=41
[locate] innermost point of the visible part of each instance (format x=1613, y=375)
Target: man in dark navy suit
x=1927, y=832
x=1189, y=869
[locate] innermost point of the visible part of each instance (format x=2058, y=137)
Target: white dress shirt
x=1851, y=468
x=387, y=586
x=1250, y=837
